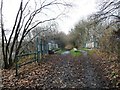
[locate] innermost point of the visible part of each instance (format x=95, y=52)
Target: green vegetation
x=84, y=49
x=75, y=53
x=91, y=52
x=60, y=51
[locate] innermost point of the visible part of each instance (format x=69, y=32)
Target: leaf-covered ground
x=110, y=66
x=60, y=71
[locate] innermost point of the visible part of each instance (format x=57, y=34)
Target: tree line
x=101, y=29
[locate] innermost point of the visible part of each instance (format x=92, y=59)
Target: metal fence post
x=38, y=52
x=41, y=48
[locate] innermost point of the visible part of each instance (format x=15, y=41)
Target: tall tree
x=26, y=19
x=81, y=33
x=110, y=12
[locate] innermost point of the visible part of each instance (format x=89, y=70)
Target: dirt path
x=72, y=72
x=62, y=71
x=91, y=77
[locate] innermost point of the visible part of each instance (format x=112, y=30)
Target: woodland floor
x=59, y=71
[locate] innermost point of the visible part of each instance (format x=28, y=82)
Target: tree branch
x=38, y=24
x=16, y=33
x=16, y=19
x=25, y=5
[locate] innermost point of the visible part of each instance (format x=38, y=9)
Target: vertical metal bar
x=38, y=53
x=45, y=51
x=47, y=48
x=41, y=48
x=35, y=56
x=37, y=50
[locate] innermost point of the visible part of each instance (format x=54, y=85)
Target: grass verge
x=60, y=51
x=89, y=51
x=75, y=53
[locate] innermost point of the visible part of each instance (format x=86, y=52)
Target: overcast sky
x=81, y=9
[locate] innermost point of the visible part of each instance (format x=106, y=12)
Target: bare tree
x=26, y=20
x=38, y=32
x=110, y=12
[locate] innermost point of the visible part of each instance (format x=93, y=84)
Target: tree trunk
x=3, y=38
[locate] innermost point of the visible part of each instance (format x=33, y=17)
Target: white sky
x=81, y=9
